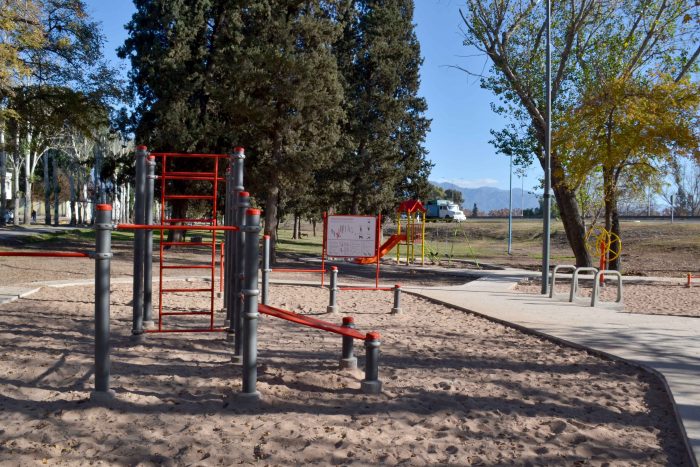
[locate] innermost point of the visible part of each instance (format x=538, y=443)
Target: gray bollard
x=397, y=300
x=236, y=302
x=228, y=236
x=103, y=255
x=333, y=289
x=250, y=309
x=148, y=244
x=266, y=270
x=371, y=383
x=139, y=242
x=348, y=361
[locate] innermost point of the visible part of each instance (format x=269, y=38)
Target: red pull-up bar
x=176, y=227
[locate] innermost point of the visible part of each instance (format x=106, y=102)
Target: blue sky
x=459, y=108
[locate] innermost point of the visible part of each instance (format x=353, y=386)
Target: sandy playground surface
x=458, y=390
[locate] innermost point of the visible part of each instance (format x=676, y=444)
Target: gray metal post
x=547, y=208
x=103, y=255
x=397, y=300
x=148, y=243
x=234, y=186
x=236, y=299
x=139, y=241
x=348, y=359
x=266, y=270
x=250, y=311
x=333, y=289
x=228, y=221
x=510, y=207
x=371, y=383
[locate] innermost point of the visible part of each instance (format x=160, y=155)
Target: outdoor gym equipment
x=604, y=244
x=102, y=256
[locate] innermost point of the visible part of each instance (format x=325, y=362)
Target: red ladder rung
x=186, y=290
x=189, y=197
x=196, y=266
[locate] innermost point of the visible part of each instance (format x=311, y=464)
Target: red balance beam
x=176, y=227
x=310, y=322
x=47, y=254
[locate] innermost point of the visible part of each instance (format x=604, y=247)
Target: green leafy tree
x=288, y=97
x=455, y=196
x=587, y=36
x=384, y=157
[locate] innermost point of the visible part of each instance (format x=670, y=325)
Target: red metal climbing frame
x=194, y=224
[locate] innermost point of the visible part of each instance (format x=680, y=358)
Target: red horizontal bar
x=187, y=243
x=186, y=290
x=47, y=254
x=185, y=313
x=190, y=174
x=188, y=197
x=157, y=331
x=185, y=154
x=310, y=322
x=176, y=227
x=196, y=266
x=383, y=289
x=167, y=221
x=297, y=270
x=189, y=177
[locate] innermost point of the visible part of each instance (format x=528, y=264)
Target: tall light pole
x=510, y=207
x=547, y=155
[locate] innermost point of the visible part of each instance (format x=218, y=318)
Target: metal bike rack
x=574, y=280
x=557, y=268
x=596, y=286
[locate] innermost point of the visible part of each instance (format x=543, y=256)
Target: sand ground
x=457, y=390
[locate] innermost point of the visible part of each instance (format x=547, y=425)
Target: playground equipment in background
x=604, y=244
x=414, y=214
x=690, y=277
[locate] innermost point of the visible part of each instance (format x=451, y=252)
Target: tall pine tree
x=384, y=158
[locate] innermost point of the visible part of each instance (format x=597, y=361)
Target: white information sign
x=351, y=236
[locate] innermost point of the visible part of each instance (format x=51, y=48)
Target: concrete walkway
x=668, y=344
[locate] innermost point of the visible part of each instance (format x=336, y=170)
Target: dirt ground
x=457, y=390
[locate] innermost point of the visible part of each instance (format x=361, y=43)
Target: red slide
x=384, y=249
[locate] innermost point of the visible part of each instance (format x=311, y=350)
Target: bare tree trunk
x=71, y=183
x=3, y=173
x=571, y=219
x=47, y=190
x=313, y=223
x=271, y=220
x=56, y=190
x=294, y=227
x=28, y=181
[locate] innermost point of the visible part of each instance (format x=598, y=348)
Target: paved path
x=668, y=344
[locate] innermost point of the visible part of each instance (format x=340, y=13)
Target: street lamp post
x=510, y=207
x=547, y=155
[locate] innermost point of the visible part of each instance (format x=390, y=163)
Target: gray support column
x=266, y=270
x=236, y=164
x=148, y=243
x=397, y=300
x=228, y=236
x=348, y=361
x=236, y=302
x=250, y=310
x=333, y=291
x=103, y=254
x=371, y=383
x=139, y=241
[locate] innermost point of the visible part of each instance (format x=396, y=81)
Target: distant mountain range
x=489, y=198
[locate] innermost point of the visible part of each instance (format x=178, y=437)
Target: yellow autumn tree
x=628, y=129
